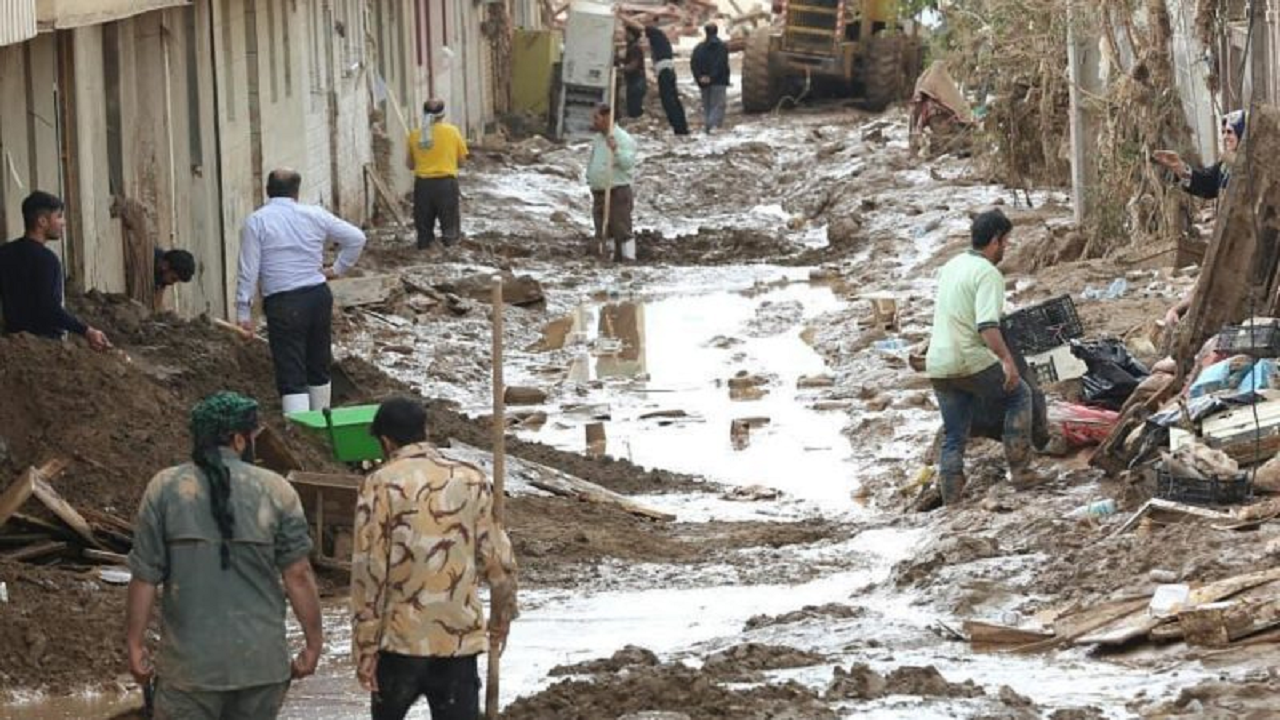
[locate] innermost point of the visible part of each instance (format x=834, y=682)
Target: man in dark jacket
x=710, y=65
x=664, y=65
x=31, y=280
x=633, y=74
x=1207, y=182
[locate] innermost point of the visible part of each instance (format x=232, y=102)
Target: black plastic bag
x=1113, y=373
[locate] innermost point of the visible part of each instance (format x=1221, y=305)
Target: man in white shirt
x=282, y=249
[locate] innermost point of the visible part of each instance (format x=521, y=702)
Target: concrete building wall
x=241, y=193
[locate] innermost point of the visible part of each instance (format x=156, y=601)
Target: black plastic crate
x=1042, y=327
x=1197, y=491
x=1256, y=340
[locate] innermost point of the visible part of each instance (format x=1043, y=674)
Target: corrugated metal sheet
x=17, y=21
x=61, y=14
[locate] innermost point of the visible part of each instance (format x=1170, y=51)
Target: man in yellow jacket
x=435, y=151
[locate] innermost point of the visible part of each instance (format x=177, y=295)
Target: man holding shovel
x=609, y=172
x=425, y=535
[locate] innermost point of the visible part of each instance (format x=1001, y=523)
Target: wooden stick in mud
x=499, y=480
x=608, y=186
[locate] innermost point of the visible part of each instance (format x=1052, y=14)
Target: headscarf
x=214, y=420
x=430, y=116
x=1235, y=120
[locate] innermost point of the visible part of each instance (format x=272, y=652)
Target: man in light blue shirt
x=282, y=249
x=613, y=160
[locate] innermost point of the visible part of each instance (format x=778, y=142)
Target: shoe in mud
x=1026, y=478
x=952, y=488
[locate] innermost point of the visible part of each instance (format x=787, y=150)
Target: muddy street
x=737, y=382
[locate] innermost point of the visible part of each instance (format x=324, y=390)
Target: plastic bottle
x=891, y=345
x=1118, y=288
x=1099, y=508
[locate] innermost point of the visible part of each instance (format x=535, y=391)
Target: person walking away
x=425, y=536
x=1208, y=182
x=228, y=542
x=664, y=65
x=633, y=74
x=612, y=163
x=436, y=149
x=710, y=66
x=282, y=249
x=31, y=280
x=968, y=362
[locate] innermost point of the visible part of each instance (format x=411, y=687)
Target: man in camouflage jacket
x=425, y=535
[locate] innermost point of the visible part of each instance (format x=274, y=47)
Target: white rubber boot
x=628, y=250
x=298, y=402
x=319, y=395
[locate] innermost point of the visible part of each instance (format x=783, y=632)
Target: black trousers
x=450, y=684
x=300, y=331
x=437, y=199
x=671, y=102
x=637, y=87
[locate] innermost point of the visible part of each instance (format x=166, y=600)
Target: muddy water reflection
x=659, y=374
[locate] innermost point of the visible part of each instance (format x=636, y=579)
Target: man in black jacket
x=664, y=65
x=633, y=74
x=1207, y=182
x=710, y=65
x=31, y=280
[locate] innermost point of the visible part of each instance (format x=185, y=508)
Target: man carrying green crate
x=968, y=362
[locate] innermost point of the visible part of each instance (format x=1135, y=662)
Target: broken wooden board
x=36, y=552
x=384, y=194
x=525, y=473
x=995, y=634
x=367, y=290
x=104, y=557
x=1169, y=510
x=274, y=453
x=1222, y=623
x=20, y=490
x=45, y=493
x=1070, y=626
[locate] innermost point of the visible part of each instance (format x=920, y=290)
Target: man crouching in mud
x=968, y=361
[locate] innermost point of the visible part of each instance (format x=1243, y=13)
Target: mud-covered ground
x=797, y=580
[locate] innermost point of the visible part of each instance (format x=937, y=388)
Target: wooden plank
x=988, y=633
x=367, y=290
x=104, y=557
x=45, y=493
x=556, y=482
x=19, y=491
x=388, y=198
x=1068, y=627
x=326, y=480
x=24, y=539
x=1220, y=624
x=275, y=453
x=35, y=552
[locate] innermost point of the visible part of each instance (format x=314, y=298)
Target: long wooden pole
x=608, y=188
x=499, y=480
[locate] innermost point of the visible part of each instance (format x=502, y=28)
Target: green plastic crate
x=350, y=434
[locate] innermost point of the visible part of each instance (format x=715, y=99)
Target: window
x=289, y=13
x=228, y=67
x=273, y=61
x=111, y=86
x=195, y=139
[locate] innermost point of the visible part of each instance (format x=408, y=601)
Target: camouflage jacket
x=424, y=535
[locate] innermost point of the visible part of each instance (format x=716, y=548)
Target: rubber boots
x=297, y=402
x=951, y=487
x=319, y=395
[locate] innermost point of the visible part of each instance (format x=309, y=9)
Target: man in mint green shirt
x=968, y=362
x=613, y=160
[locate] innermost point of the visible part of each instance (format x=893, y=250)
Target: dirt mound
x=671, y=688
x=860, y=682
x=59, y=628
x=712, y=246
x=120, y=417
x=628, y=657
x=834, y=611
x=749, y=658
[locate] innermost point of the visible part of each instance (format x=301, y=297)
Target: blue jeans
x=961, y=399
x=713, y=104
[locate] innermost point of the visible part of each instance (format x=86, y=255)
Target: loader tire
x=761, y=86
x=882, y=74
